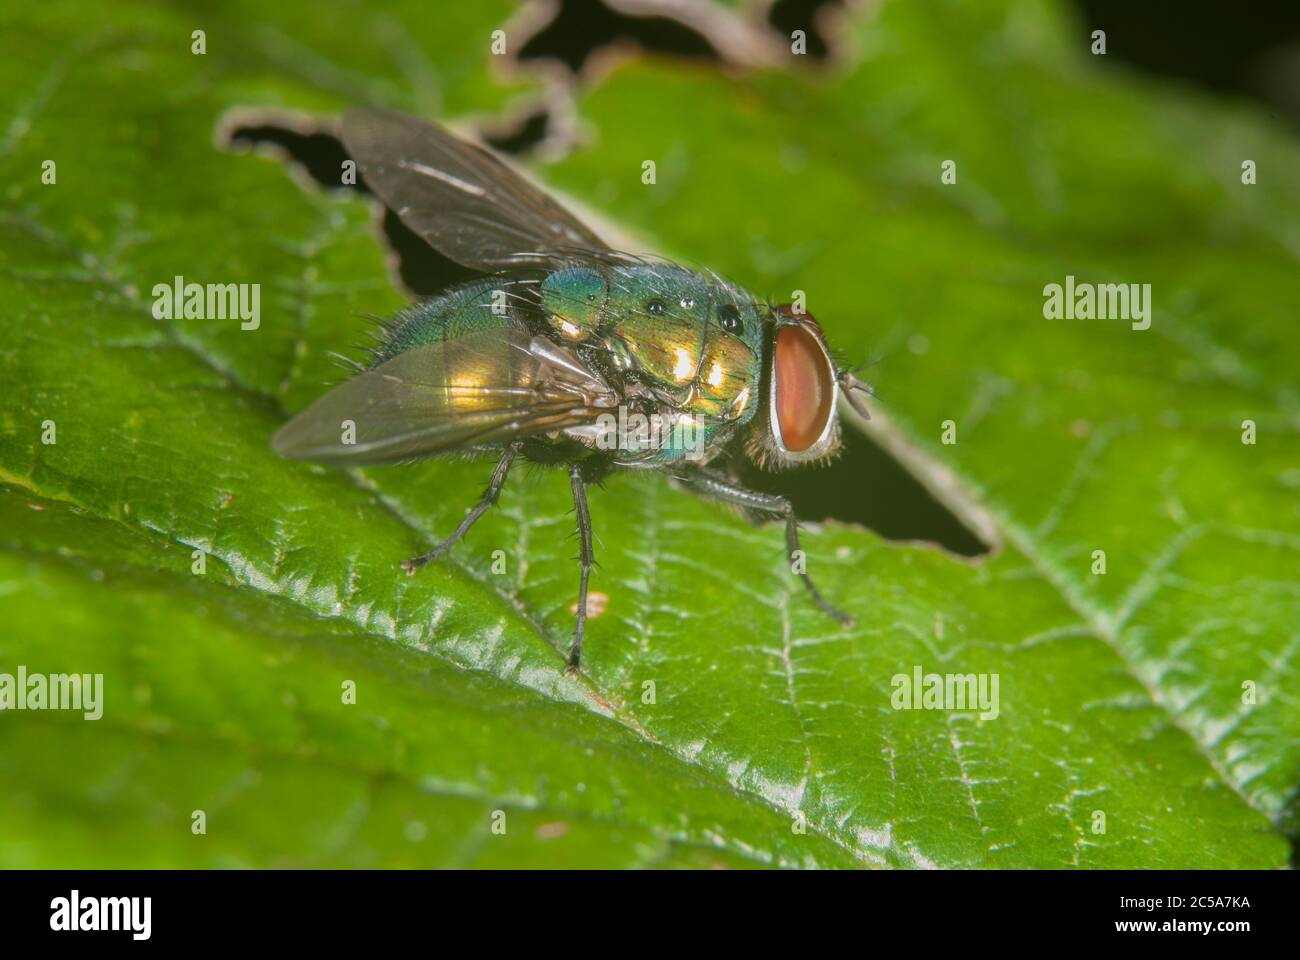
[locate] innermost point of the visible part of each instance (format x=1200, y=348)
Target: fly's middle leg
x=585, y=557
x=489, y=498
x=721, y=488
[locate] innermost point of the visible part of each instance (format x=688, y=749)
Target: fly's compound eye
x=656, y=307
x=729, y=318
x=804, y=388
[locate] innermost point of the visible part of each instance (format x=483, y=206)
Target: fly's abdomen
x=472, y=307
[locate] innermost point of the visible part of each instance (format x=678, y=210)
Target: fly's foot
x=415, y=563
x=845, y=620
x=573, y=661
x=825, y=605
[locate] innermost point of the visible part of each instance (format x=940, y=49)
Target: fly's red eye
x=804, y=388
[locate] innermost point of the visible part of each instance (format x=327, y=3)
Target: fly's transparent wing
x=492, y=385
x=460, y=198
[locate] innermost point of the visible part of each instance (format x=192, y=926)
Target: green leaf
x=771, y=738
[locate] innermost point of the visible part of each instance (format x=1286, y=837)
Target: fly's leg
x=487, y=500
x=579, y=486
x=720, y=488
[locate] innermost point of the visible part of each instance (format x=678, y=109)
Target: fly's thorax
x=693, y=338
x=659, y=315
x=575, y=300
x=730, y=368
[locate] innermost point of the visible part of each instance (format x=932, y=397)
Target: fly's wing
x=460, y=198
x=487, y=386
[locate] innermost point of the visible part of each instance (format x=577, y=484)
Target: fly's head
x=802, y=385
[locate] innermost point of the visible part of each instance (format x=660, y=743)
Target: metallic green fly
x=568, y=352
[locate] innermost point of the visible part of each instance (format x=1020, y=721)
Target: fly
x=560, y=345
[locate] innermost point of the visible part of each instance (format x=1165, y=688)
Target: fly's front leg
x=720, y=488
x=585, y=557
x=489, y=497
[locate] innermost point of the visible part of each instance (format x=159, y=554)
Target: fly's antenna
x=854, y=391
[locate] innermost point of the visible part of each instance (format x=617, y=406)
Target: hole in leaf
x=581, y=27
x=787, y=16
x=521, y=137
x=1243, y=55
x=867, y=486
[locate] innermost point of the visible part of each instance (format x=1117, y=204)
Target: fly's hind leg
x=487, y=500
x=720, y=488
x=585, y=557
